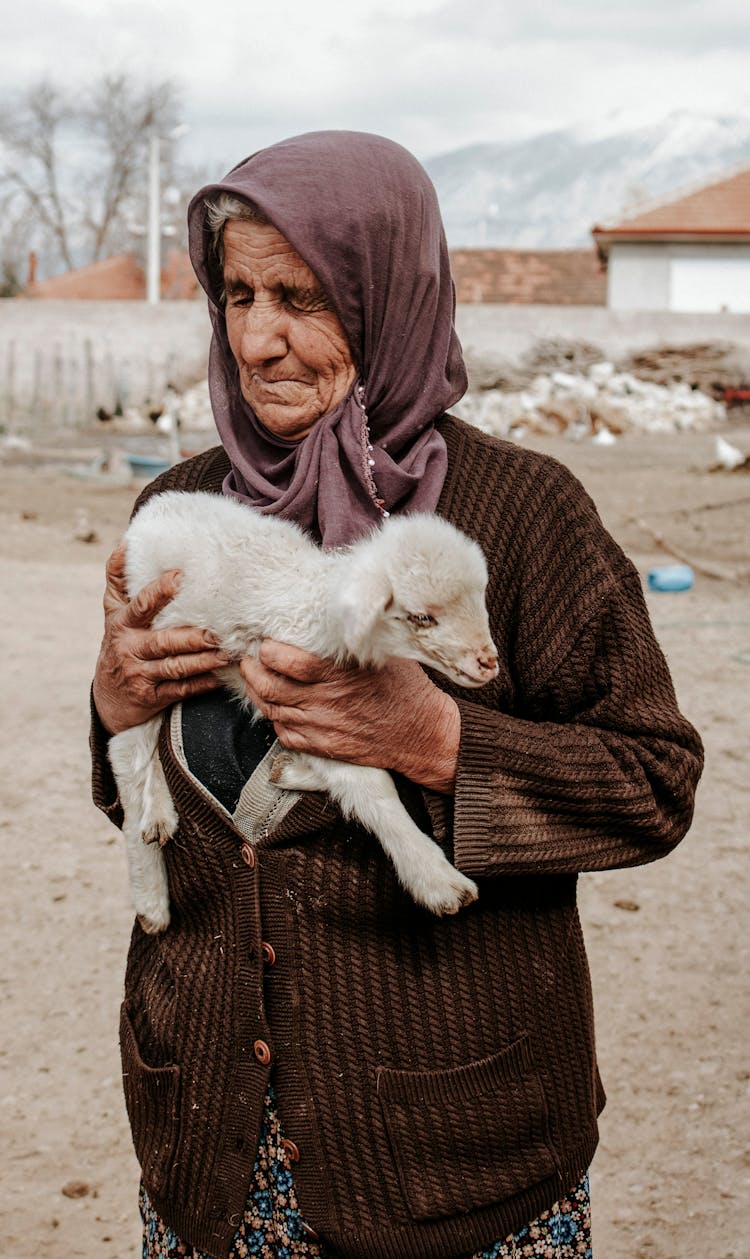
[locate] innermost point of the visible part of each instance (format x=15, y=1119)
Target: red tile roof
x=526, y=277
x=119, y=278
x=720, y=210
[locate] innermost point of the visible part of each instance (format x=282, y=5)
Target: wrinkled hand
x=392, y=718
x=141, y=670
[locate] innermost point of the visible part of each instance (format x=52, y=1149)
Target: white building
x=692, y=254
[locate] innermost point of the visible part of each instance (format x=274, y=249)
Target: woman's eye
x=305, y=302
x=421, y=619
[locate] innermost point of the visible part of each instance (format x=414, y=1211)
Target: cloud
x=433, y=74
x=668, y=25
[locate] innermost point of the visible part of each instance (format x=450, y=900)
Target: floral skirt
x=273, y=1228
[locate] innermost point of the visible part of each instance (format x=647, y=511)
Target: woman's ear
x=364, y=599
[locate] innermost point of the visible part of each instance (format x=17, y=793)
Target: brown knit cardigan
x=437, y=1075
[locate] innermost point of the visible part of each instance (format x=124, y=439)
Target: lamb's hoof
x=159, y=832
x=155, y=922
x=447, y=896
x=277, y=769
x=292, y=772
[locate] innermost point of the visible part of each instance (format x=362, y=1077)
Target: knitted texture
x=437, y=1075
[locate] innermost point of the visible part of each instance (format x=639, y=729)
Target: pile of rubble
x=599, y=402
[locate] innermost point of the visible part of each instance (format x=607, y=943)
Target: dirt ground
x=668, y=943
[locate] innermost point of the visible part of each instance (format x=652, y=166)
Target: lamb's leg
x=370, y=796
x=148, y=811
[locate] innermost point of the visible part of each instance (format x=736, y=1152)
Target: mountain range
x=549, y=191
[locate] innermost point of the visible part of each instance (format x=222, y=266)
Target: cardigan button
x=291, y=1150
x=262, y=1052
x=308, y=1228
x=269, y=953
x=248, y=855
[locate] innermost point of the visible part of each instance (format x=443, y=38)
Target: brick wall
x=528, y=277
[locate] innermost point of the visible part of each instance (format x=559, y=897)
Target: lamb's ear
x=364, y=598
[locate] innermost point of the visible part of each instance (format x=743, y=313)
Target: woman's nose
x=263, y=334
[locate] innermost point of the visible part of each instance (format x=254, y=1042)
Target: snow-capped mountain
x=550, y=190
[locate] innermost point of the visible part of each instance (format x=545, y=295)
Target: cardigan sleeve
x=103, y=786
x=578, y=757
x=602, y=775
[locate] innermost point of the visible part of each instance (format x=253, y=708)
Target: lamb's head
x=416, y=589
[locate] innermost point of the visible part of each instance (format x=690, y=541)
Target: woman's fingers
x=185, y=665
x=116, y=564
x=269, y=687
x=293, y=662
x=276, y=696
x=261, y=683
x=136, y=690
x=141, y=670
x=115, y=590
x=140, y=612
x=170, y=692
x=185, y=640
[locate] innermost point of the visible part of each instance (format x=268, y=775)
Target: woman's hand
x=141, y=670
x=392, y=718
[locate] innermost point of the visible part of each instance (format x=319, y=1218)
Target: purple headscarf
x=363, y=215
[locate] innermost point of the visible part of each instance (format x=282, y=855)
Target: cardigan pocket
x=468, y=1136
x=152, y=1098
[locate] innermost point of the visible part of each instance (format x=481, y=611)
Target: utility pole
x=153, y=253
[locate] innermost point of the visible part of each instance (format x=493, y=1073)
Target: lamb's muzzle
x=480, y=666
x=415, y=588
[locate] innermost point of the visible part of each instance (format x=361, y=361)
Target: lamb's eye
x=421, y=619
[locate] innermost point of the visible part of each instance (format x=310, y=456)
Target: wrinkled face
x=294, y=359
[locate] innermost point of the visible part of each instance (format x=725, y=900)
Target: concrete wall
x=641, y=276
x=498, y=334
x=59, y=361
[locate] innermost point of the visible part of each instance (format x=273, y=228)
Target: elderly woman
x=313, y=1064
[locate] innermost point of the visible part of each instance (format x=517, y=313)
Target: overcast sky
x=431, y=74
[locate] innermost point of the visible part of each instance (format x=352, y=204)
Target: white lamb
x=414, y=588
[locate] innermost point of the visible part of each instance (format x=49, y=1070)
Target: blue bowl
x=671, y=577
x=147, y=465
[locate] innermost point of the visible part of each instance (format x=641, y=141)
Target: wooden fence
x=62, y=362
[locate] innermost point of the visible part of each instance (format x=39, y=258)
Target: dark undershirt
x=222, y=744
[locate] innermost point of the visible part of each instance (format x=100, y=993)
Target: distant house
x=690, y=254
x=119, y=278
x=527, y=277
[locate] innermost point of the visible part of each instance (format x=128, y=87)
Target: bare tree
x=15, y=248
x=73, y=164
x=119, y=117
x=30, y=135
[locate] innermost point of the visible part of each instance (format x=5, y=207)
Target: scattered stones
x=83, y=531
x=601, y=400
x=729, y=458
x=76, y=1189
